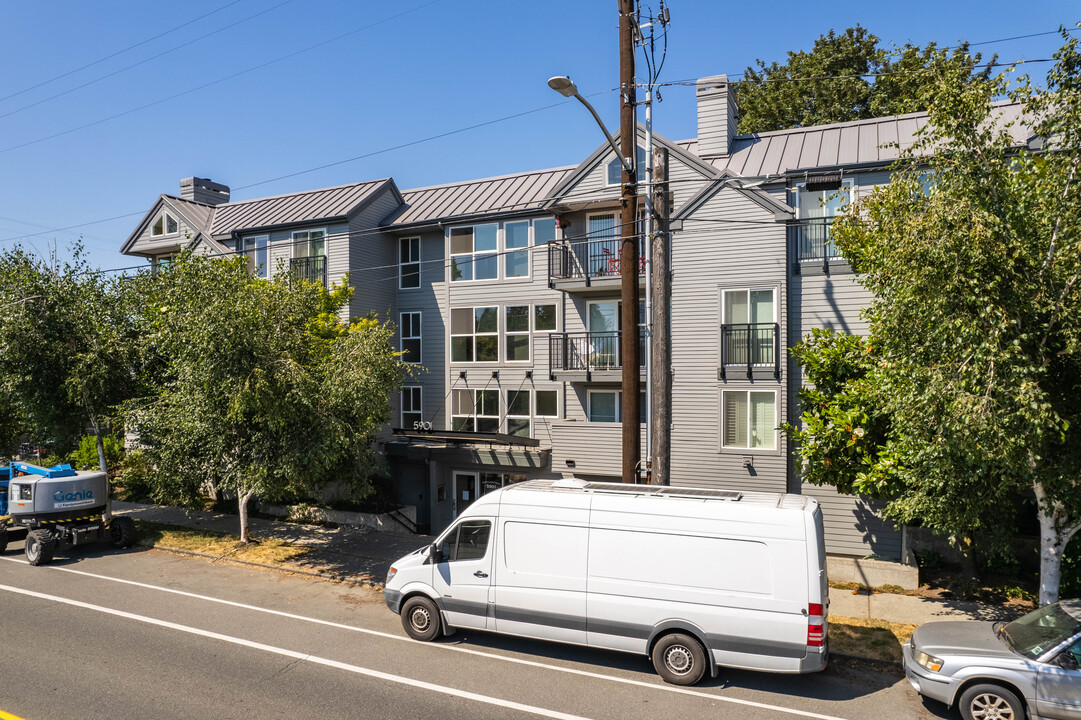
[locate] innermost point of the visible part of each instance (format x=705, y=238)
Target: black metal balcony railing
x=588, y=352
x=751, y=345
x=811, y=240
x=312, y=269
x=587, y=259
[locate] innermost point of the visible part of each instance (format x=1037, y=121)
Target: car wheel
x=40, y=546
x=679, y=659
x=420, y=618
x=991, y=702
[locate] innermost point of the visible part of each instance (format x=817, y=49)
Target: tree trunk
x=1053, y=541
x=100, y=443
x=242, y=501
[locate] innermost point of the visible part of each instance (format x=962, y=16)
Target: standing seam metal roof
x=328, y=203
x=507, y=193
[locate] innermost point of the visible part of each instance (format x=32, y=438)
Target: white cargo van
x=692, y=578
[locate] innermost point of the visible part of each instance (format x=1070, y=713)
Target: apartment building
x=505, y=292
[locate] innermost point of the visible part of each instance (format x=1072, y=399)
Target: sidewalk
x=337, y=552
x=365, y=556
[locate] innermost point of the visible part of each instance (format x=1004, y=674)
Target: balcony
x=750, y=347
x=313, y=269
x=588, y=356
x=812, y=246
x=587, y=264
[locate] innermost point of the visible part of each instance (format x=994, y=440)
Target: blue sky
x=252, y=90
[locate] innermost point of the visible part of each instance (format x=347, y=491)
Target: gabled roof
x=521, y=192
x=195, y=215
x=876, y=141
x=604, y=153
x=335, y=203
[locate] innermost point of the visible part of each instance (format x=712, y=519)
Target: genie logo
x=69, y=499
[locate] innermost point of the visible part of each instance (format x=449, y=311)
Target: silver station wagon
x=1030, y=667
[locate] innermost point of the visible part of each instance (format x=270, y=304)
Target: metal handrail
x=587, y=259
x=588, y=352
x=751, y=345
x=812, y=240
x=313, y=268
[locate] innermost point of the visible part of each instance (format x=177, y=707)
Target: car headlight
x=929, y=661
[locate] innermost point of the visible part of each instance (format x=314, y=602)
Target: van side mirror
x=433, y=554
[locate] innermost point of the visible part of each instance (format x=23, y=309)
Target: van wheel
x=679, y=659
x=420, y=618
x=984, y=702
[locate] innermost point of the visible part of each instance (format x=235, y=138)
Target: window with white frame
x=254, y=247
x=409, y=332
x=166, y=224
x=607, y=406
x=409, y=263
x=615, y=168
x=516, y=244
x=749, y=419
x=309, y=243
x=544, y=318
x=474, y=334
x=547, y=403
x=517, y=333
x=518, y=417
x=474, y=252
x=818, y=202
x=475, y=411
x=412, y=406
x=748, y=323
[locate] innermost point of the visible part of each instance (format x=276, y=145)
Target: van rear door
x=463, y=573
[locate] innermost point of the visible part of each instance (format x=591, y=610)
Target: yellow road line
x=8, y=716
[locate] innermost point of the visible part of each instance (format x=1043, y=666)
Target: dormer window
x=165, y=225
x=615, y=170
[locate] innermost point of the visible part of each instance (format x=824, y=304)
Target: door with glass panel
x=748, y=327
x=310, y=254
x=603, y=341
x=818, y=205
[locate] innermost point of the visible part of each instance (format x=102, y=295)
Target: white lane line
x=454, y=648
x=532, y=709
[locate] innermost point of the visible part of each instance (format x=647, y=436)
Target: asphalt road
x=146, y=634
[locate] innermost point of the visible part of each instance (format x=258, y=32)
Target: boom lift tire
x=40, y=546
x=122, y=532
x=3, y=538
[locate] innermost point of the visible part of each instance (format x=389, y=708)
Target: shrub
x=87, y=454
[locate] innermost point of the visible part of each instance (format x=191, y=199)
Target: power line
x=216, y=82
x=118, y=52
x=146, y=60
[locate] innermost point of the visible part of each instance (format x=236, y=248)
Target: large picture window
x=409, y=263
x=517, y=333
x=474, y=252
x=607, y=406
x=409, y=331
x=475, y=411
x=749, y=419
x=474, y=334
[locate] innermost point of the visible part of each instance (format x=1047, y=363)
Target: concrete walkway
x=365, y=556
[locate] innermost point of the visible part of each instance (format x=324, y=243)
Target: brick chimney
x=205, y=191
x=717, y=115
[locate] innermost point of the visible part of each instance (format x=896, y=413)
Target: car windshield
x=1042, y=630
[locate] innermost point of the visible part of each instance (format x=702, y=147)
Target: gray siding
x=706, y=258
x=370, y=257
x=594, y=449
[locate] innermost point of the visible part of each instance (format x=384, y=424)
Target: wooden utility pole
x=628, y=268
x=661, y=388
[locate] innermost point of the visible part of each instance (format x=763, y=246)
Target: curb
x=336, y=577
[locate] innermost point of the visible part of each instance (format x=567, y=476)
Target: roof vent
x=204, y=191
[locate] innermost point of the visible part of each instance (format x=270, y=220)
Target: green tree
x=67, y=344
x=971, y=374
x=262, y=391
x=831, y=82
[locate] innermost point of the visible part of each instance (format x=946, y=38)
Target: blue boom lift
x=58, y=505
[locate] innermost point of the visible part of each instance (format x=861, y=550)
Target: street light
x=566, y=87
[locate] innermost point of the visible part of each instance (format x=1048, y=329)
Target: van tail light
x=816, y=625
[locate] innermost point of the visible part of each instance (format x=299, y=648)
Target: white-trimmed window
x=516, y=331
x=409, y=332
x=544, y=318
x=409, y=263
x=516, y=243
x=607, y=406
x=474, y=334
x=749, y=419
x=412, y=406
x=166, y=224
x=255, y=248
x=309, y=243
x=474, y=252
x=475, y=411
x=615, y=168
x=748, y=320
x=518, y=415
x=547, y=403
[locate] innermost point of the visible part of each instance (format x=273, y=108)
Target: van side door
x=462, y=573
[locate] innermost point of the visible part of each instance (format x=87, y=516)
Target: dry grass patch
x=268, y=552
x=874, y=639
